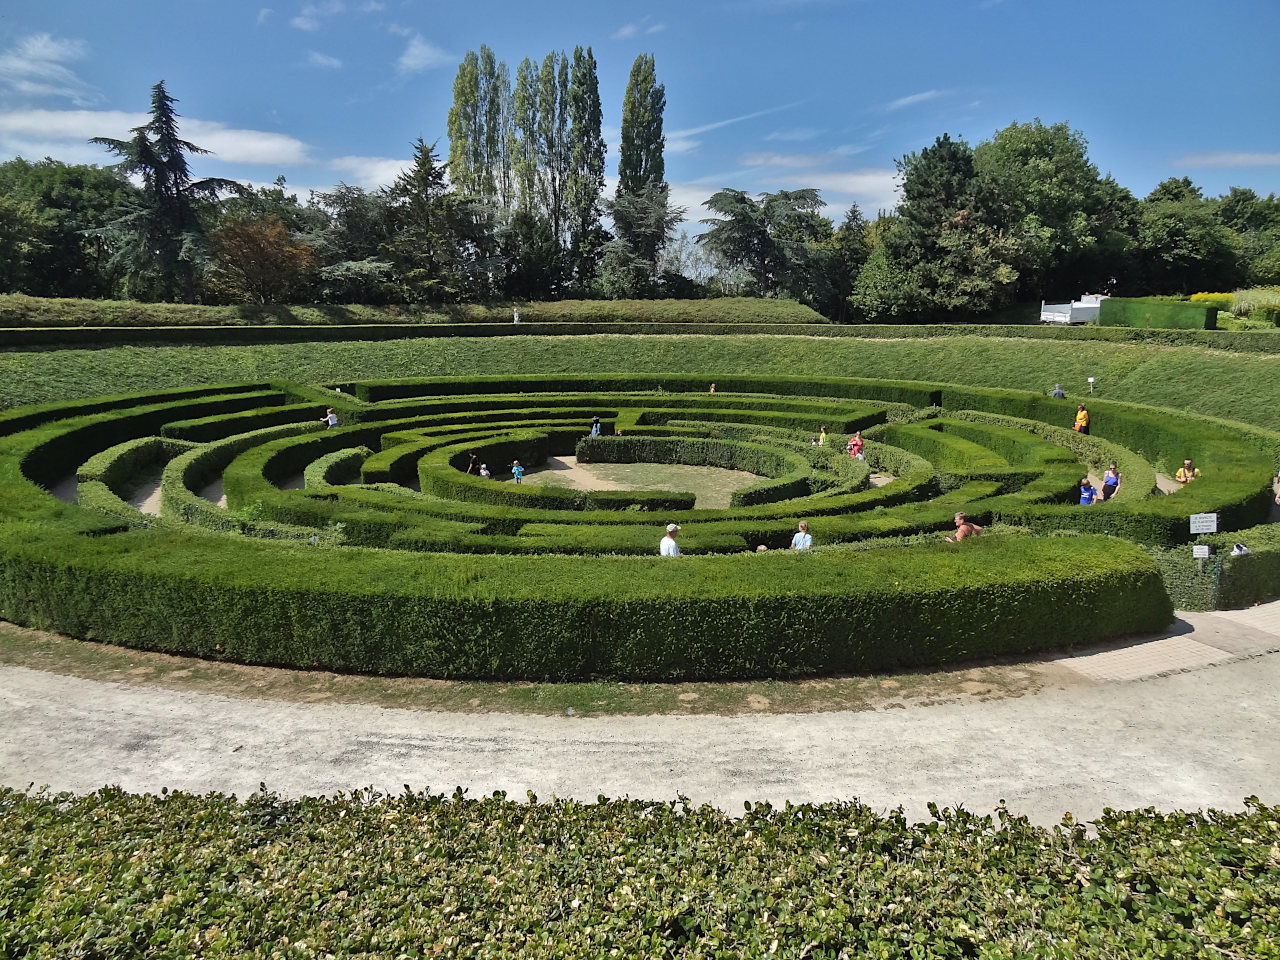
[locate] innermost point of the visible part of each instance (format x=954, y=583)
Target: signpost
x=1204, y=523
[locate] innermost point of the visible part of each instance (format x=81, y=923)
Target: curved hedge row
x=479, y=578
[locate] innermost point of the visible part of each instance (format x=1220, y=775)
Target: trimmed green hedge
x=111, y=874
x=1156, y=312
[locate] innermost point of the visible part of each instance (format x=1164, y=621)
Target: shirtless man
x=964, y=529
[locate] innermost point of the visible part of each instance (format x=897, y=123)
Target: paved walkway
x=1200, y=731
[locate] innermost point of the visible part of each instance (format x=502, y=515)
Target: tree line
x=517, y=209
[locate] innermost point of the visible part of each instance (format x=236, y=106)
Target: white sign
x=1200, y=552
x=1204, y=523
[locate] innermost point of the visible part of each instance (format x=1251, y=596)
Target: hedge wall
x=1155, y=312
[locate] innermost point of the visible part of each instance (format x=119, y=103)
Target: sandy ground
x=1207, y=737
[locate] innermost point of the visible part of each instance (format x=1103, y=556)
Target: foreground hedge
x=561, y=617
x=112, y=875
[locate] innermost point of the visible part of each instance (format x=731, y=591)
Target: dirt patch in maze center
x=712, y=486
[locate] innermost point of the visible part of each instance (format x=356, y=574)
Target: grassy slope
x=1241, y=387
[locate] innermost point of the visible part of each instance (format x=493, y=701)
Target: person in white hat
x=668, y=546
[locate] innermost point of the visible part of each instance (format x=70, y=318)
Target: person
x=1111, y=481
x=856, y=443
x=1088, y=493
x=471, y=461
x=803, y=540
x=484, y=470
x=822, y=437
x=595, y=426
x=330, y=419
x=1187, y=472
x=668, y=547
x=515, y=315
x=517, y=471
x=1082, y=420
x=1057, y=392
x=964, y=529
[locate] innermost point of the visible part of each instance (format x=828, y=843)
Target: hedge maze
x=369, y=547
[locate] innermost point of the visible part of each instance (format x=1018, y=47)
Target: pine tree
x=161, y=242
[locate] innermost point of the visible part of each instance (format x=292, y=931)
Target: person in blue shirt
x=1088, y=493
x=517, y=471
x=802, y=540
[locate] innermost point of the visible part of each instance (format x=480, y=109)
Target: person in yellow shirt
x=1082, y=420
x=1187, y=472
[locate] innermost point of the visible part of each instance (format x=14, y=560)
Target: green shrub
x=1156, y=312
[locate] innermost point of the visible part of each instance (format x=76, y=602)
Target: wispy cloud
x=419, y=53
x=796, y=135
x=37, y=67
x=311, y=14
x=323, y=61
x=1227, y=159
x=681, y=141
x=371, y=172
x=644, y=25
x=67, y=130
x=913, y=99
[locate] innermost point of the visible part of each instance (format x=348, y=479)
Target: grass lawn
x=1236, y=386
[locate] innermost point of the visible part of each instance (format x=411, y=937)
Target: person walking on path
x=1111, y=481
x=517, y=471
x=1082, y=420
x=803, y=540
x=668, y=546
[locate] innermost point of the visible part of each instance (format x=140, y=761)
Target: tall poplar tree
x=586, y=166
x=640, y=160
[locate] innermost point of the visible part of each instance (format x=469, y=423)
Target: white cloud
x=795, y=135
x=64, y=133
x=264, y=15
x=913, y=99
x=1226, y=159
x=36, y=67
x=323, y=61
x=311, y=14
x=420, y=54
x=873, y=189
x=636, y=27
x=371, y=172
x=681, y=141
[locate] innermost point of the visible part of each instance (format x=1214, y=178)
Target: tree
x=643, y=223
x=585, y=181
x=1048, y=196
x=162, y=241
x=259, y=261
x=946, y=239
x=74, y=201
x=640, y=159
x=424, y=246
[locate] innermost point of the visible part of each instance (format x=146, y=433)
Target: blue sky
x=761, y=94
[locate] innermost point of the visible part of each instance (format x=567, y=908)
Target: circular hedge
x=392, y=559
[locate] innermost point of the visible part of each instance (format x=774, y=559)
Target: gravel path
x=1206, y=737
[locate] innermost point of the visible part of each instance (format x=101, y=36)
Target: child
x=517, y=471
